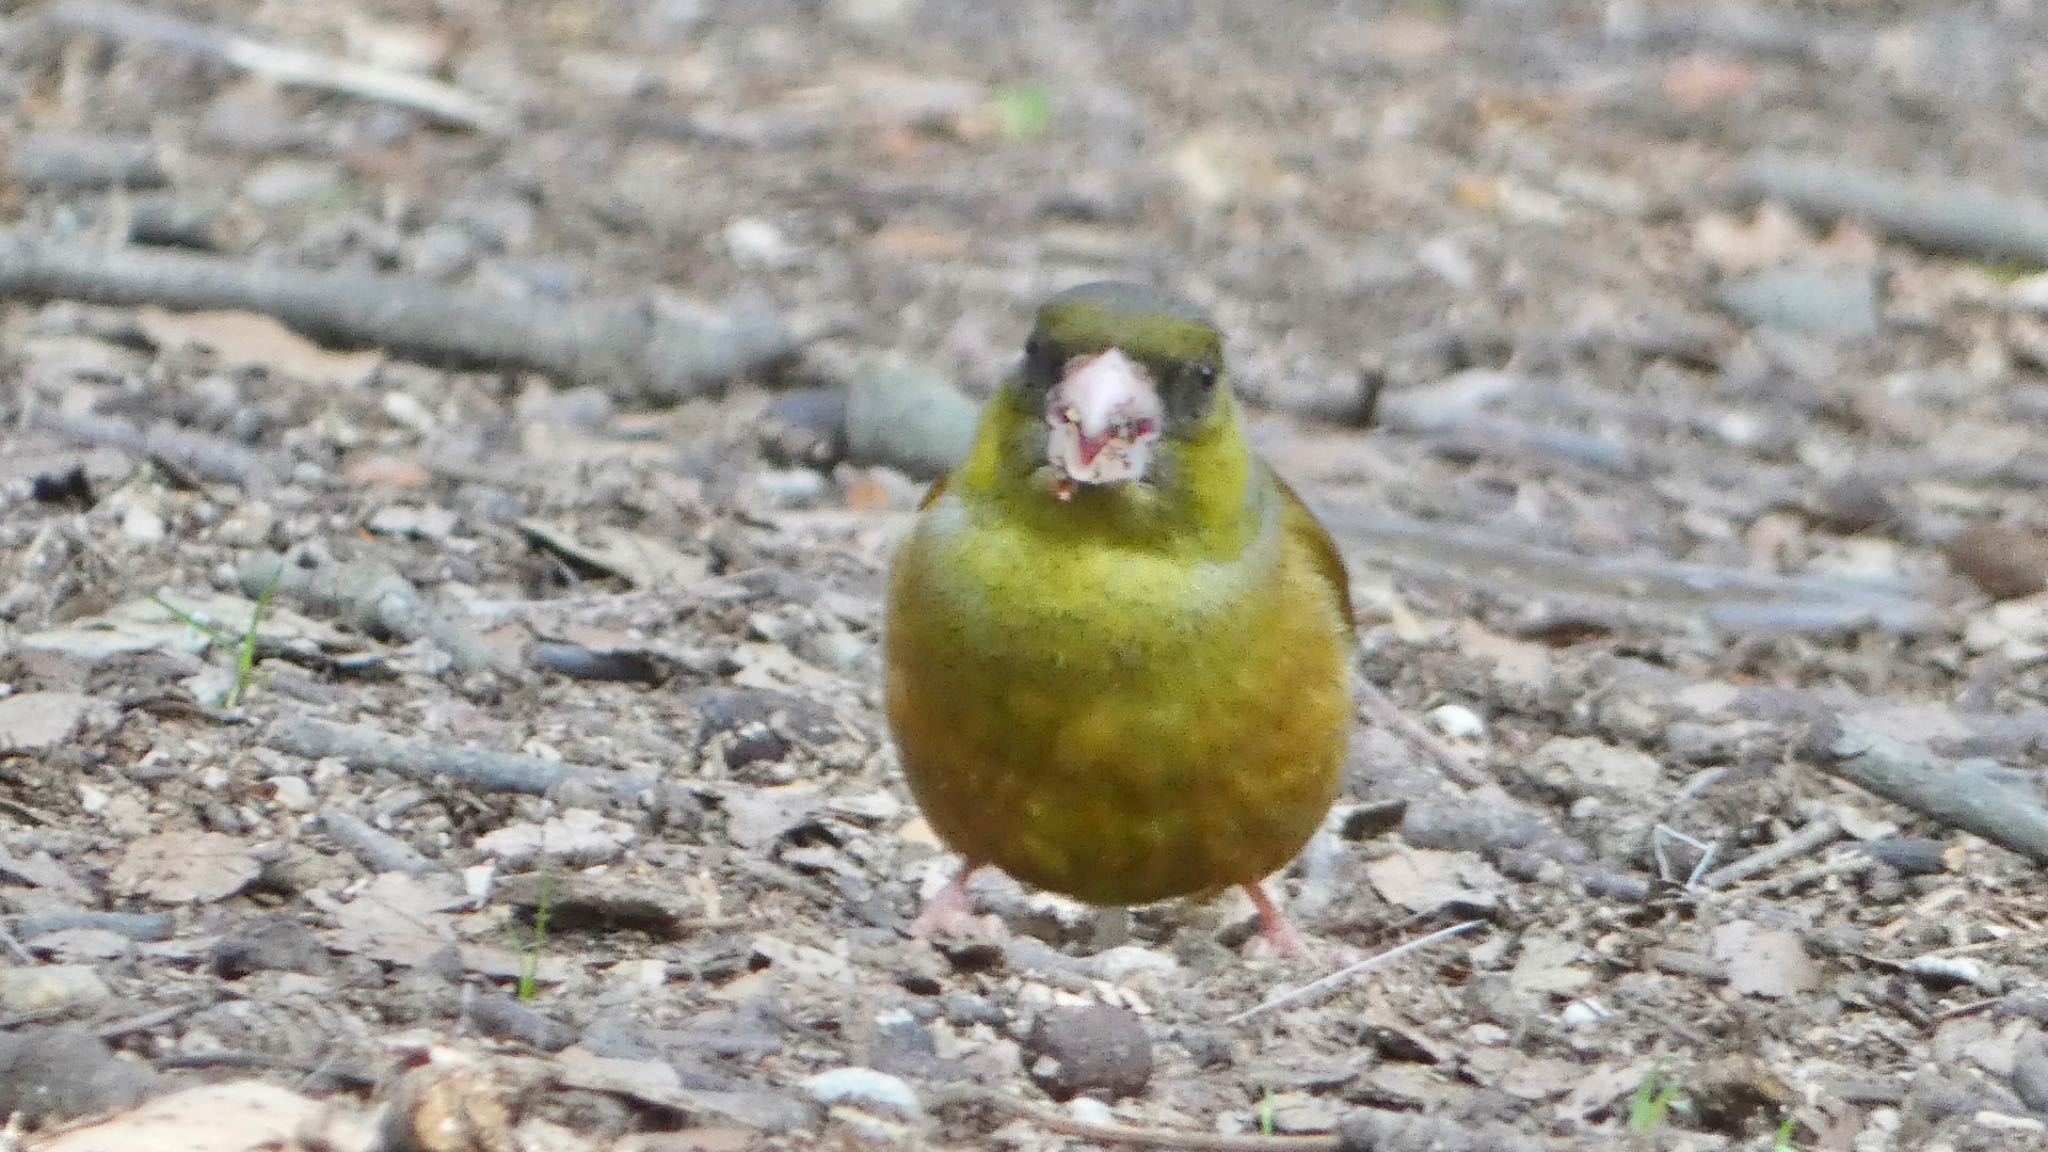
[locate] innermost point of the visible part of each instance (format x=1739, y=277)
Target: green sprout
x=1654, y=1098
x=245, y=645
x=532, y=943
x=1266, y=1113
x=1024, y=111
x=1783, y=1141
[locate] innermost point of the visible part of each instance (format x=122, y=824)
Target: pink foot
x=1275, y=929
x=949, y=915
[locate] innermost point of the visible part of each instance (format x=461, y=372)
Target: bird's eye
x=1202, y=376
x=1041, y=360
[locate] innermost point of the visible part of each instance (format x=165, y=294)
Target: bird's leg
x=951, y=911
x=1278, y=930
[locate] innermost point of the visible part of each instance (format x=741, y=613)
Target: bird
x=1117, y=645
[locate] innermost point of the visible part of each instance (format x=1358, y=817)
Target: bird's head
x=1120, y=370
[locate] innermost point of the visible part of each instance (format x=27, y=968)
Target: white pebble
x=1089, y=1110
x=1582, y=1014
x=292, y=792
x=864, y=1087
x=1457, y=722
x=93, y=799
x=1121, y=962
x=142, y=525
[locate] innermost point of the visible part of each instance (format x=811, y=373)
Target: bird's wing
x=1303, y=527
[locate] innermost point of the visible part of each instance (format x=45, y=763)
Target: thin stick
x=1813, y=836
x=1970, y=794
x=1343, y=974
x=115, y=1029
x=285, y=65
x=492, y=771
x=640, y=348
x=378, y=849
x=974, y=1095
x=19, y=949
x=1389, y=714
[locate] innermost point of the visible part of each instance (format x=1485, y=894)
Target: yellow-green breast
x=1120, y=718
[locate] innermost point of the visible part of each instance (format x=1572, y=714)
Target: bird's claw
x=949, y=915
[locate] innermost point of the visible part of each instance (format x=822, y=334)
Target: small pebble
x=1120, y=963
x=28, y=991
x=1089, y=1110
x=1088, y=1049
x=273, y=944
x=52, y=1074
x=2007, y=563
x=142, y=525
x=1457, y=722
x=1581, y=1014
x=504, y=1018
x=292, y=792
x=1816, y=300
x=865, y=1087
x=755, y=243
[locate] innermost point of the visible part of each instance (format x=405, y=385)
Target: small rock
x=429, y=523
x=504, y=1018
x=1120, y=963
x=142, y=524
x=49, y=988
x=755, y=243
x=1853, y=504
x=35, y=721
x=2007, y=563
x=1457, y=722
x=865, y=1088
x=1089, y=1110
x=1950, y=971
x=292, y=793
x=1815, y=300
x=907, y=416
x=1764, y=961
x=283, y=183
x=2030, y=1070
x=277, y=944
x=1580, y=766
x=1089, y=1049
x=1298, y=1113
x=53, y=1074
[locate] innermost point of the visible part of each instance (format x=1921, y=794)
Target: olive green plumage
x=1131, y=691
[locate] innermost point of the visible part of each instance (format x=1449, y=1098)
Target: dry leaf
x=1424, y=879
x=1549, y=964
x=1764, y=961
x=399, y=919
x=34, y=721
x=642, y=561
x=186, y=867
x=239, y=1117
x=252, y=340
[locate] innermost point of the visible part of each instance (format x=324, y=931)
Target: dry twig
x=642, y=349
x=437, y=763
x=1645, y=591
x=285, y=65
x=1969, y=794
x=378, y=850
x=1389, y=714
x=1941, y=215
x=1334, y=979
x=1360, y=1130
x=1816, y=834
